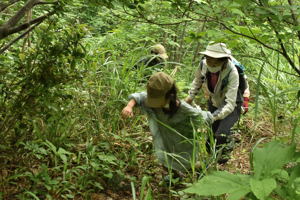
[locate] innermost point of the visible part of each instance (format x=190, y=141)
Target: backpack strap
x=203, y=71
x=225, y=80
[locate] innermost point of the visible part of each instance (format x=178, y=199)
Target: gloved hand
x=189, y=100
x=209, y=118
x=245, y=105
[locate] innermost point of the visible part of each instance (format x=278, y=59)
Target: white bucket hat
x=217, y=50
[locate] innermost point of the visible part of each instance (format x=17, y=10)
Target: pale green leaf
x=221, y=182
x=262, y=188
x=273, y=156
x=237, y=11
x=238, y=194
x=280, y=174
x=296, y=185
x=200, y=1
x=63, y=151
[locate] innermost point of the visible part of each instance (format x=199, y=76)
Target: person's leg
x=223, y=134
x=214, y=127
x=222, y=131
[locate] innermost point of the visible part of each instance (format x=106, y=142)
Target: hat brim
x=214, y=54
x=158, y=102
x=163, y=56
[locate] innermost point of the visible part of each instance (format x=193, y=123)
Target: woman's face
x=214, y=62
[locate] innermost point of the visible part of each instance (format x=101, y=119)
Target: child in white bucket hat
x=220, y=77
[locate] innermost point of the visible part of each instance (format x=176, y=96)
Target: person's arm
x=246, y=97
x=128, y=109
x=230, y=97
x=196, y=84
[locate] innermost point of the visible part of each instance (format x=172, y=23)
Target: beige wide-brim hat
x=217, y=50
x=160, y=51
x=157, y=87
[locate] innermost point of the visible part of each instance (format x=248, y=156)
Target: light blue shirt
x=174, y=138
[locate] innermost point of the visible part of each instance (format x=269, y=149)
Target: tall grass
x=85, y=147
x=276, y=93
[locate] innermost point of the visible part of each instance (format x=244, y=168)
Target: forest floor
x=247, y=136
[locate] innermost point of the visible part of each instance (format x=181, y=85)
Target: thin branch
x=247, y=36
x=18, y=38
x=3, y=6
x=284, y=51
x=265, y=59
x=188, y=8
x=294, y=16
x=36, y=22
x=20, y=14
x=26, y=25
x=295, y=21
x=145, y=20
x=46, y=3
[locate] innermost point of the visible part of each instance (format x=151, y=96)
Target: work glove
x=209, y=118
x=245, y=105
x=189, y=100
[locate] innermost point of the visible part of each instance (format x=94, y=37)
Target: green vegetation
x=66, y=72
x=267, y=176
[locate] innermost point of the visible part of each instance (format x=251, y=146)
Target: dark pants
x=221, y=131
x=222, y=128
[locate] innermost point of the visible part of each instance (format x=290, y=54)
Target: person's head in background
x=159, y=50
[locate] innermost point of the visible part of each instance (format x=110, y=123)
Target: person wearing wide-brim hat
x=220, y=77
x=172, y=121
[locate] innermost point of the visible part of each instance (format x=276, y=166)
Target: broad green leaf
x=237, y=11
x=295, y=173
x=222, y=182
x=238, y=194
x=200, y=1
x=280, y=174
x=296, y=185
x=262, y=188
x=272, y=156
x=22, y=56
x=149, y=195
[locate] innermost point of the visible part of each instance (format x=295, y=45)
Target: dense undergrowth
x=80, y=148
x=62, y=134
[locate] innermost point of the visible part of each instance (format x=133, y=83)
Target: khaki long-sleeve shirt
x=223, y=97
